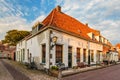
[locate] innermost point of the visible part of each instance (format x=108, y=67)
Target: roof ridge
x=52, y=16
x=59, y=19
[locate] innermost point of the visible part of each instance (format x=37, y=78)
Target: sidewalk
x=80, y=70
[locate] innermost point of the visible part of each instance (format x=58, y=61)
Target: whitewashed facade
x=21, y=51
x=33, y=46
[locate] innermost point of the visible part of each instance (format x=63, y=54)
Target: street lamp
x=54, y=40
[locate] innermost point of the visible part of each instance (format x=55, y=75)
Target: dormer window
x=39, y=26
x=93, y=36
x=100, y=39
x=103, y=40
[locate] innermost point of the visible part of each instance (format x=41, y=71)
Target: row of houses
x=60, y=38
x=7, y=51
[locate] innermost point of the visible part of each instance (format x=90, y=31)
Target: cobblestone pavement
x=109, y=73
x=32, y=74
x=4, y=74
x=17, y=75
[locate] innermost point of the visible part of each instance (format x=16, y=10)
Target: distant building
x=7, y=51
x=61, y=38
x=117, y=46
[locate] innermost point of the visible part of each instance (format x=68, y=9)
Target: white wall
x=34, y=45
x=19, y=47
x=68, y=40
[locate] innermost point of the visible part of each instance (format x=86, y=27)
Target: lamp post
x=51, y=40
x=54, y=40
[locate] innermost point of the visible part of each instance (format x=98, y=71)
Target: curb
x=73, y=73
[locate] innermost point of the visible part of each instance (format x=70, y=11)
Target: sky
x=103, y=15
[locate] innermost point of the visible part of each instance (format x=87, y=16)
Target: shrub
x=54, y=68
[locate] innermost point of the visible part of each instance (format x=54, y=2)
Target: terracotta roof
x=118, y=45
x=106, y=49
x=65, y=22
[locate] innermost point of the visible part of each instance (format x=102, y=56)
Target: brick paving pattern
x=4, y=74
x=8, y=73
x=17, y=75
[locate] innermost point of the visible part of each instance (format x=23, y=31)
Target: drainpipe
x=88, y=53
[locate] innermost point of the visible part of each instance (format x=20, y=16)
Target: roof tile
x=65, y=22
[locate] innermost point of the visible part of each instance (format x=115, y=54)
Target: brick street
x=109, y=73
x=10, y=70
x=14, y=74
x=4, y=74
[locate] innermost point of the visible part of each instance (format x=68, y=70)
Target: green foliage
x=54, y=68
x=13, y=36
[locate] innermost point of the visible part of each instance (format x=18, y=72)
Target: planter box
x=54, y=73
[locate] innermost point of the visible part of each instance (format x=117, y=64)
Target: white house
x=112, y=56
x=60, y=38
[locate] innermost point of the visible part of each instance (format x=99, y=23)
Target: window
x=16, y=55
x=58, y=53
x=19, y=55
x=23, y=54
x=39, y=26
x=93, y=36
x=84, y=55
x=28, y=54
x=78, y=54
x=100, y=39
x=70, y=49
x=43, y=53
x=92, y=56
x=98, y=56
x=69, y=56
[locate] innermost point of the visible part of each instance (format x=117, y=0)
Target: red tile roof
x=59, y=19
x=118, y=45
x=106, y=49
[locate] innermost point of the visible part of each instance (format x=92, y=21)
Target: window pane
x=92, y=55
x=84, y=55
x=58, y=53
x=43, y=53
x=78, y=54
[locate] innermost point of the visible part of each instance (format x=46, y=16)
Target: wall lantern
x=54, y=40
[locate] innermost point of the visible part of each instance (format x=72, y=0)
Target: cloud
x=13, y=22
x=102, y=15
x=10, y=18
x=39, y=19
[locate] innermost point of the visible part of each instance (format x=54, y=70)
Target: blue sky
x=103, y=15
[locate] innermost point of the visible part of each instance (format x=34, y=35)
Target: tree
x=13, y=36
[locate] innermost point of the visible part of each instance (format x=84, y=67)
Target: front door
x=69, y=57
x=14, y=56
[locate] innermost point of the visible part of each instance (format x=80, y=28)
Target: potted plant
x=54, y=71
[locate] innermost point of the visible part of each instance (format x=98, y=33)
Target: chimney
x=86, y=24
x=58, y=8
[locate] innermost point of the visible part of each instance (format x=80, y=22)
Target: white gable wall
x=35, y=47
